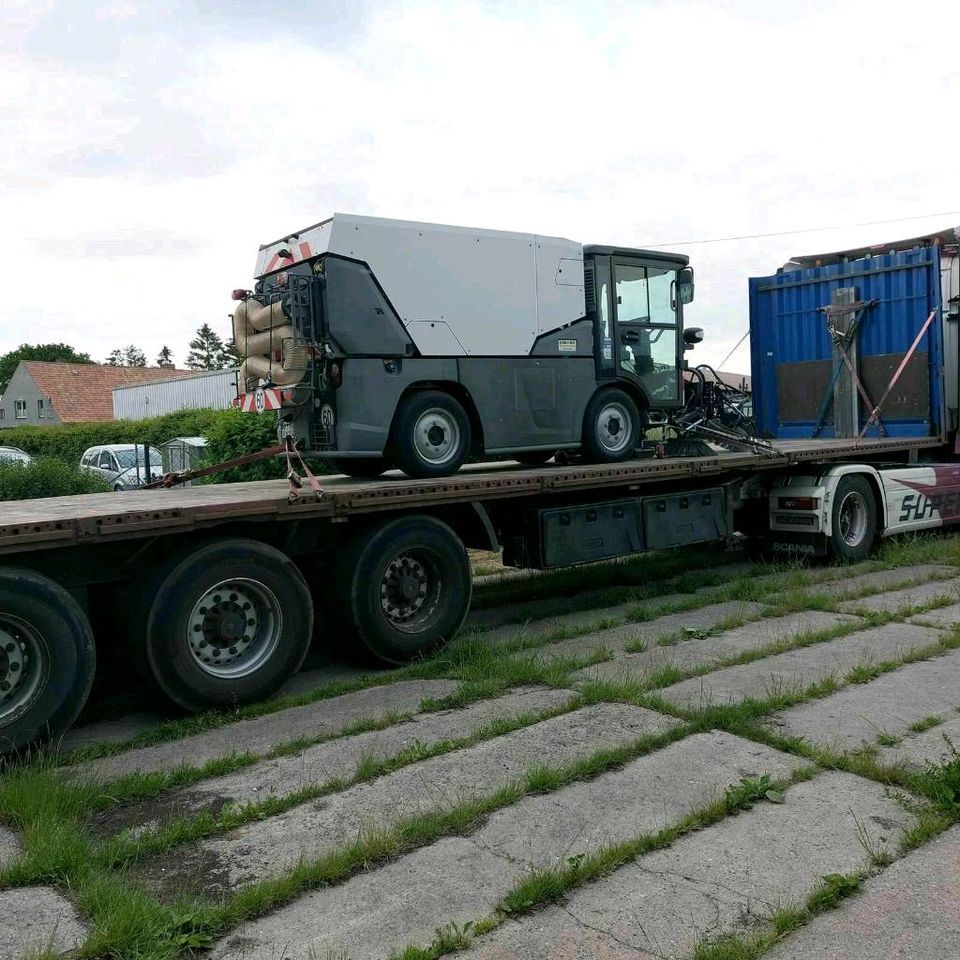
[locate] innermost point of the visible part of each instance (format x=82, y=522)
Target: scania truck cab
x=393, y=343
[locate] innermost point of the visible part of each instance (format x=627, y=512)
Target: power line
x=733, y=351
x=791, y=233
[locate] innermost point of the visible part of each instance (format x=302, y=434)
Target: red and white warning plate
x=259, y=401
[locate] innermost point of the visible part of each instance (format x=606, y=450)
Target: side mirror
x=686, y=285
x=691, y=337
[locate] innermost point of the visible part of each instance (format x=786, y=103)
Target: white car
x=14, y=455
x=122, y=465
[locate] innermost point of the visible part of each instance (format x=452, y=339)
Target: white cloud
x=606, y=122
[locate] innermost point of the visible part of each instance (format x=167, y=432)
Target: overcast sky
x=147, y=149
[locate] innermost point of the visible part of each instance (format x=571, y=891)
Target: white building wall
x=209, y=390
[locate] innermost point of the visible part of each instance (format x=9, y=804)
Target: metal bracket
x=842, y=340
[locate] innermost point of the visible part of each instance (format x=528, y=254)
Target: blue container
x=792, y=355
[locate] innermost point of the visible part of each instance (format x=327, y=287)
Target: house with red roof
x=45, y=394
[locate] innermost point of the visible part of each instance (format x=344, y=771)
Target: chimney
x=167, y=365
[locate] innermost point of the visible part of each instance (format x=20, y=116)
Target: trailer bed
x=105, y=517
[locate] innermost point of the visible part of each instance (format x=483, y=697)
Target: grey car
x=122, y=465
x=14, y=455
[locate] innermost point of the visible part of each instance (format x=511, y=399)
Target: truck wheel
x=47, y=659
x=611, y=426
x=854, y=518
x=431, y=435
x=406, y=587
x=228, y=624
x=360, y=466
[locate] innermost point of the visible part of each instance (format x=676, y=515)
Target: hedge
x=229, y=433
x=46, y=478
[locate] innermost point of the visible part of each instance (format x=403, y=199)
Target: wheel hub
x=403, y=588
x=614, y=427
x=436, y=436
x=853, y=519
x=233, y=628
x=12, y=663
x=23, y=667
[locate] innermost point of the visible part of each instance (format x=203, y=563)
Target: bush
x=234, y=434
x=45, y=478
x=68, y=441
x=230, y=433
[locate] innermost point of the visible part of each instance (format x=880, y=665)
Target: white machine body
x=458, y=291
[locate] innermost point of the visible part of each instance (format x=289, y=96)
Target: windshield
x=126, y=460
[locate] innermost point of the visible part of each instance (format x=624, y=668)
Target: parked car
x=122, y=465
x=14, y=455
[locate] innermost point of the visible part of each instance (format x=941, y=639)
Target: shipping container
x=803, y=387
x=207, y=390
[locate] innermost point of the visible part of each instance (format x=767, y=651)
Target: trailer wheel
x=611, y=426
x=360, y=466
x=47, y=659
x=854, y=516
x=406, y=587
x=228, y=624
x=431, y=435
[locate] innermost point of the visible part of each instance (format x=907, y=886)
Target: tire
x=431, y=435
x=853, y=519
x=381, y=570
x=47, y=659
x=611, y=426
x=190, y=635
x=360, y=466
x=533, y=458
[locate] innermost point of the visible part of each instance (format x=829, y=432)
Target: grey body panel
x=368, y=398
x=523, y=402
x=359, y=317
x=529, y=402
x=575, y=340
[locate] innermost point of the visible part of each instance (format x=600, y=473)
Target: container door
x=794, y=358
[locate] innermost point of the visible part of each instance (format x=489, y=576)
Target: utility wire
x=733, y=351
x=791, y=233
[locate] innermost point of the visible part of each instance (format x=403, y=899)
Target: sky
x=148, y=149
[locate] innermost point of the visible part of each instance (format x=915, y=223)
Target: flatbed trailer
x=211, y=591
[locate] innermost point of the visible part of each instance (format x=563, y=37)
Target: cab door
x=646, y=329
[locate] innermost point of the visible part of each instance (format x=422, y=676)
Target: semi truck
x=216, y=592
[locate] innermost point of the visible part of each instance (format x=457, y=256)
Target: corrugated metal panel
x=789, y=340
x=214, y=389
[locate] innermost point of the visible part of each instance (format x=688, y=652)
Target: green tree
x=232, y=357
x=129, y=356
x=207, y=351
x=50, y=352
x=165, y=356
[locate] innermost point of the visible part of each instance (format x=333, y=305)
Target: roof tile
x=82, y=392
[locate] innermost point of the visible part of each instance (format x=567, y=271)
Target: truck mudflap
x=807, y=544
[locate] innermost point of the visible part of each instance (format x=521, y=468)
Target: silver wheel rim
x=23, y=667
x=234, y=628
x=852, y=519
x=436, y=435
x=614, y=427
x=410, y=590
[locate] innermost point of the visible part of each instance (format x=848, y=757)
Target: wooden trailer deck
x=100, y=517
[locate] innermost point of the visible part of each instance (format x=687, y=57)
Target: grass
x=544, y=885
x=926, y=723
x=52, y=811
